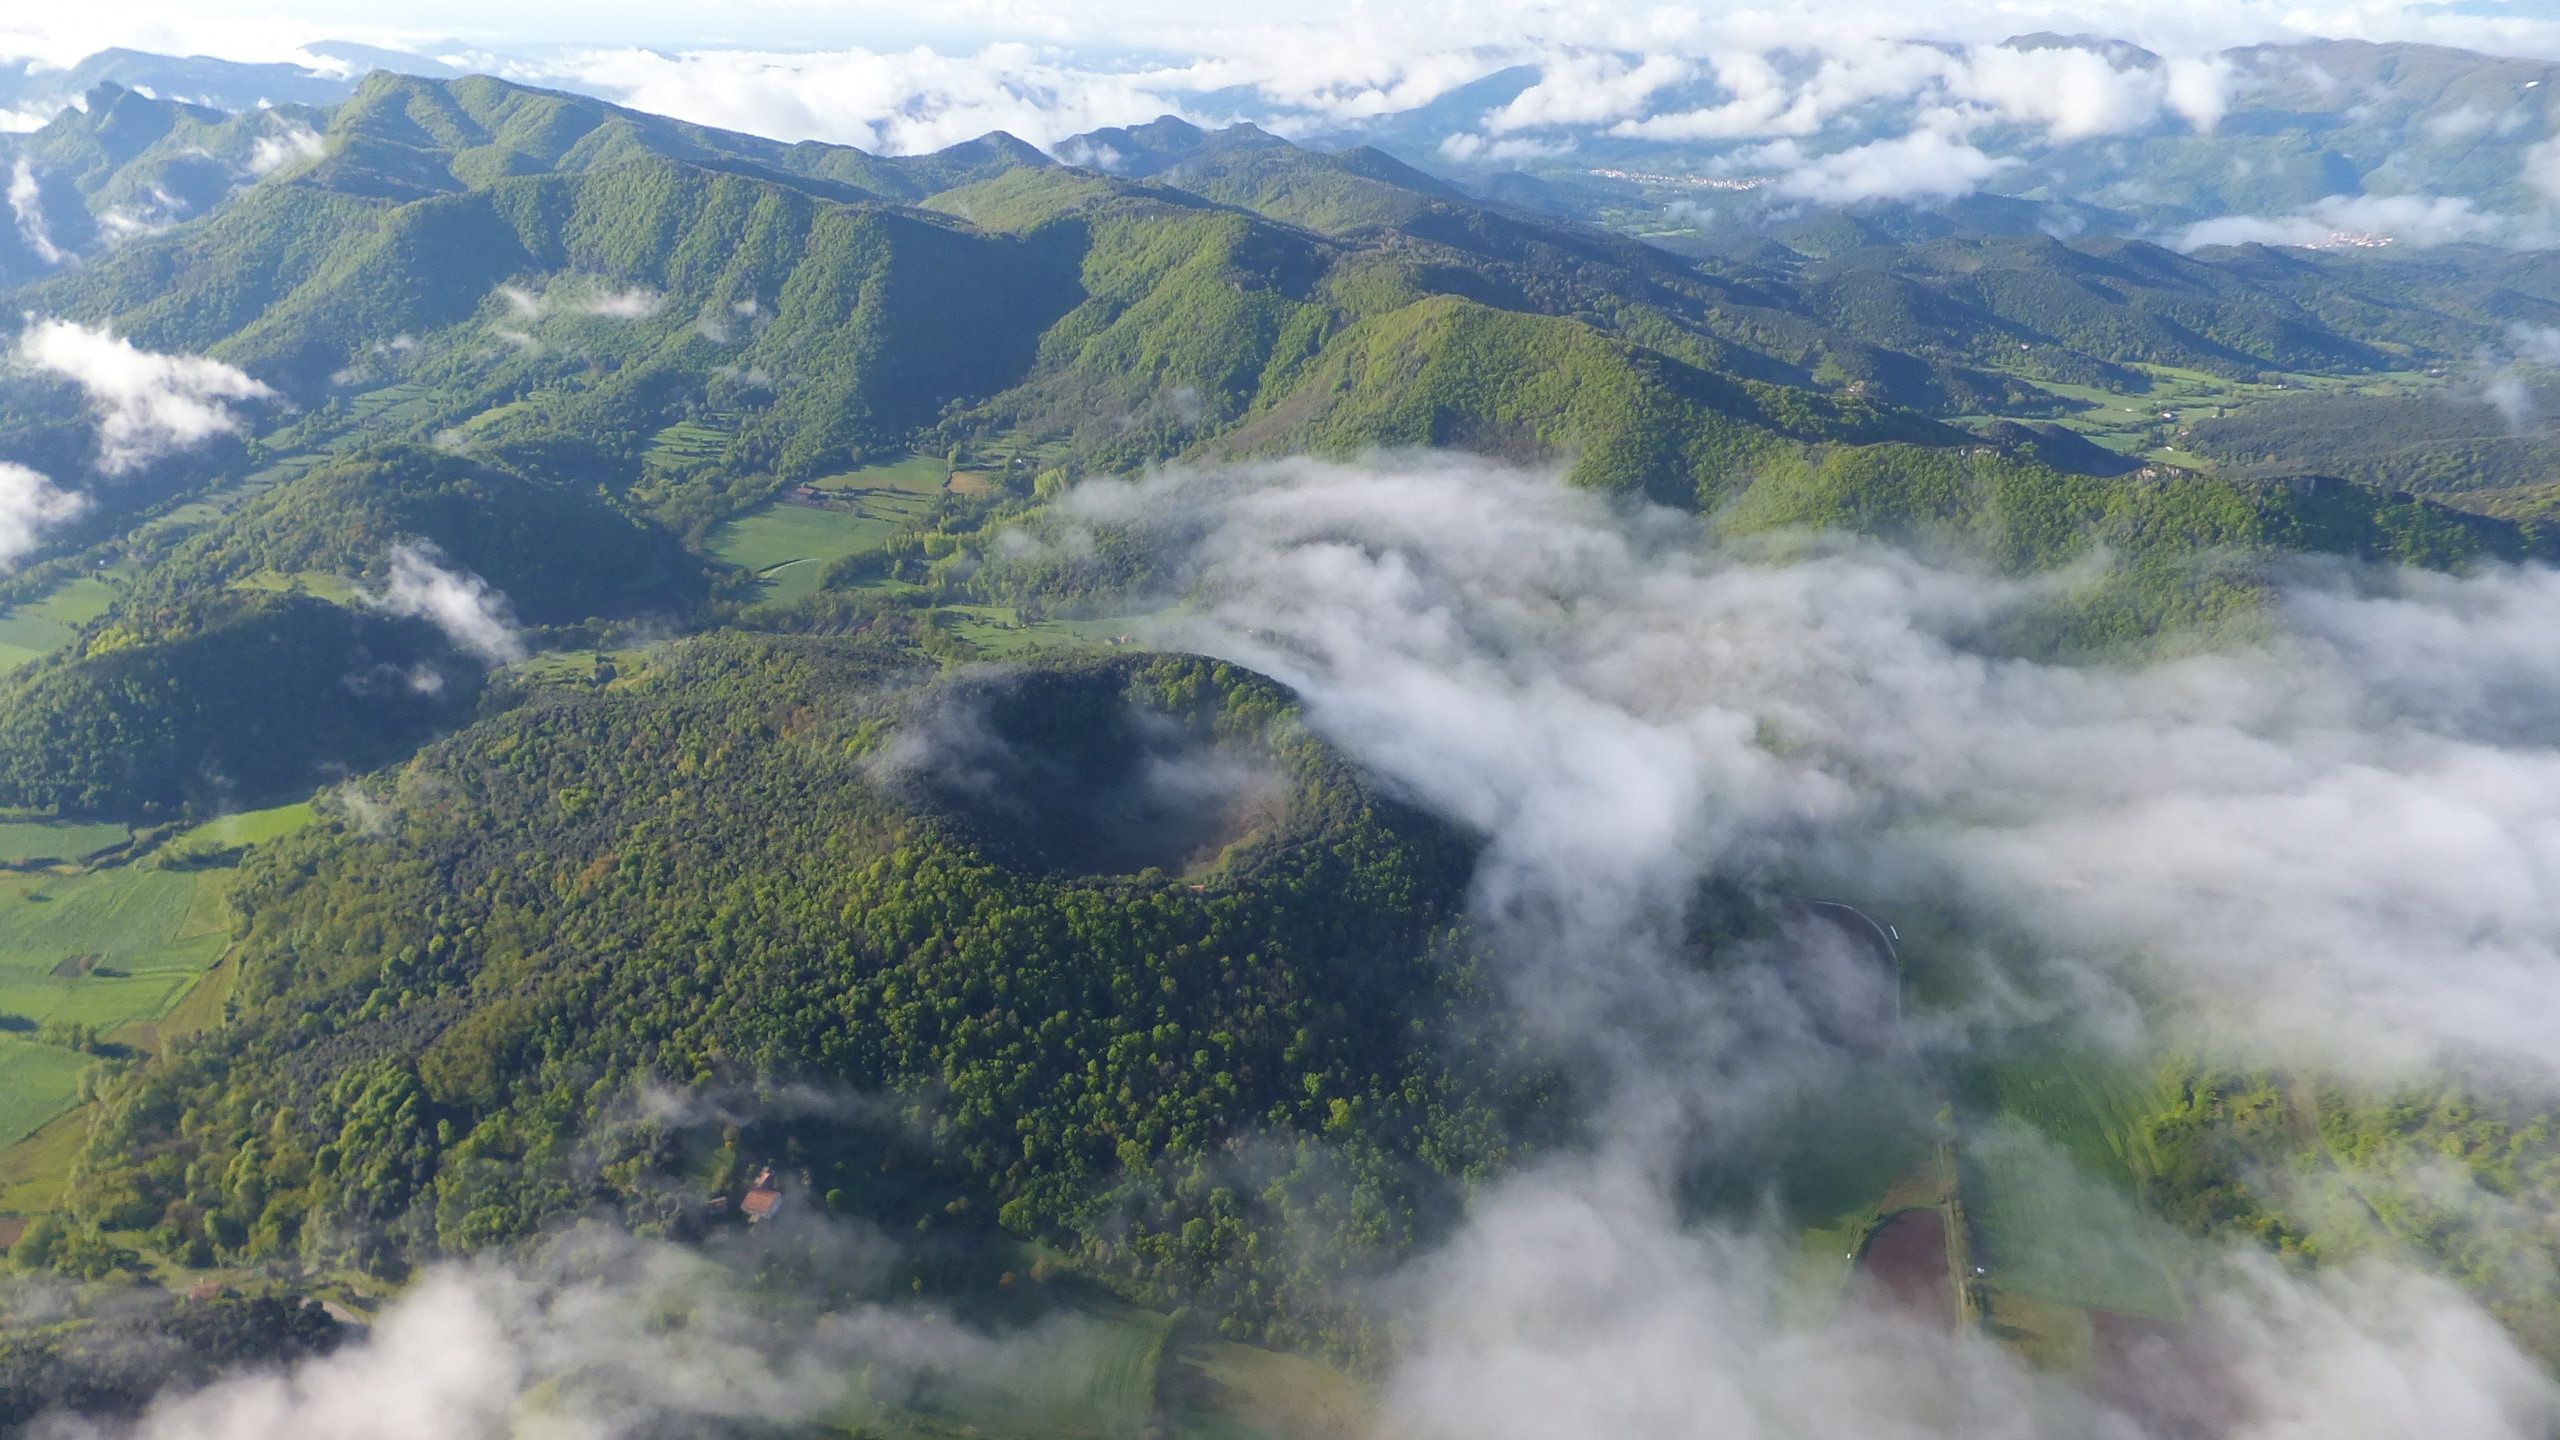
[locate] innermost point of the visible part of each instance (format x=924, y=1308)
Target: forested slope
x=761, y=863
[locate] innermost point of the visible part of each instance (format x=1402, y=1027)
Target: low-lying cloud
x=602, y=1336
x=26, y=206
x=289, y=144
x=1581, y=1302
x=30, y=504
x=476, y=618
x=149, y=404
x=2332, y=839
x=2418, y=221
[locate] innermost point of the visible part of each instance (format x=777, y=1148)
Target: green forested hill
x=228, y=696
x=1096, y=962
x=558, y=555
x=772, y=858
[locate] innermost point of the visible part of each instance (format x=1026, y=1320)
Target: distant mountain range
x=2327, y=142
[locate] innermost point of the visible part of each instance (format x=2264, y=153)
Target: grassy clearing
x=41, y=626
x=999, y=632
x=2050, y=1336
x=579, y=666
x=2096, y=1109
x=129, y=948
x=1093, y=1379
x=2132, y=422
x=685, y=446
x=37, y=1169
x=217, y=837
x=24, y=842
x=2050, y=1231
x=789, y=546
x=1240, y=1392
x=2049, y=1181
x=915, y=475
x=336, y=589
x=137, y=920
x=37, y=1083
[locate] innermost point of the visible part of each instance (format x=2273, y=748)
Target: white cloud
x=2542, y=168
x=1927, y=164
x=289, y=145
x=897, y=102
x=149, y=404
x=1469, y=149
x=2414, y=220
x=2199, y=89
x=2539, y=344
x=637, y=303
x=26, y=202
x=30, y=504
x=1585, y=89
x=600, y=1337
x=2069, y=93
x=474, y=617
x=2337, y=842
x=1580, y=1302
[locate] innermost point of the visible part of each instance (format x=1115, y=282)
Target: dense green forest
x=817, y=771
x=1146, y=1048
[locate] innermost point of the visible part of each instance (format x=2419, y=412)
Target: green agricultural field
x=915, y=475
x=2132, y=423
x=121, y=947
x=998, y=632
x=37, y=1082
x=232, y=832
x=1242, y=1392
x=39, y=627
x=336, y=589
x=108, y=946
x=24, y=842
x=2050, y=1231
x=35, y=1170
x=1093, y=1378
x=2098, y=1111
x=789, y=546
x=579, y=666
x=684, y=446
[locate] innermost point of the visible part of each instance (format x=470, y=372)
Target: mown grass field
x=2131, y=423
x=234, y=832
x=999, y=632
x=2097, y=1110
x=105, y=947
x=336, y=589
x=684, y=446
x=1242, y=1392
x=1090, y=1376
x=39, y=627
x=2049, y=1175
x=35, y=1171
x=2051, y=1232
x=789, y=546
x=37, y=1083
x=915, y=475
x=24, y=842
x=120, y=947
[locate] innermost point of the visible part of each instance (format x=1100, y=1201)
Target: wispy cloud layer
x=30, y=504
x=148, y=404
x=473, y=616
x=2333, y=840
